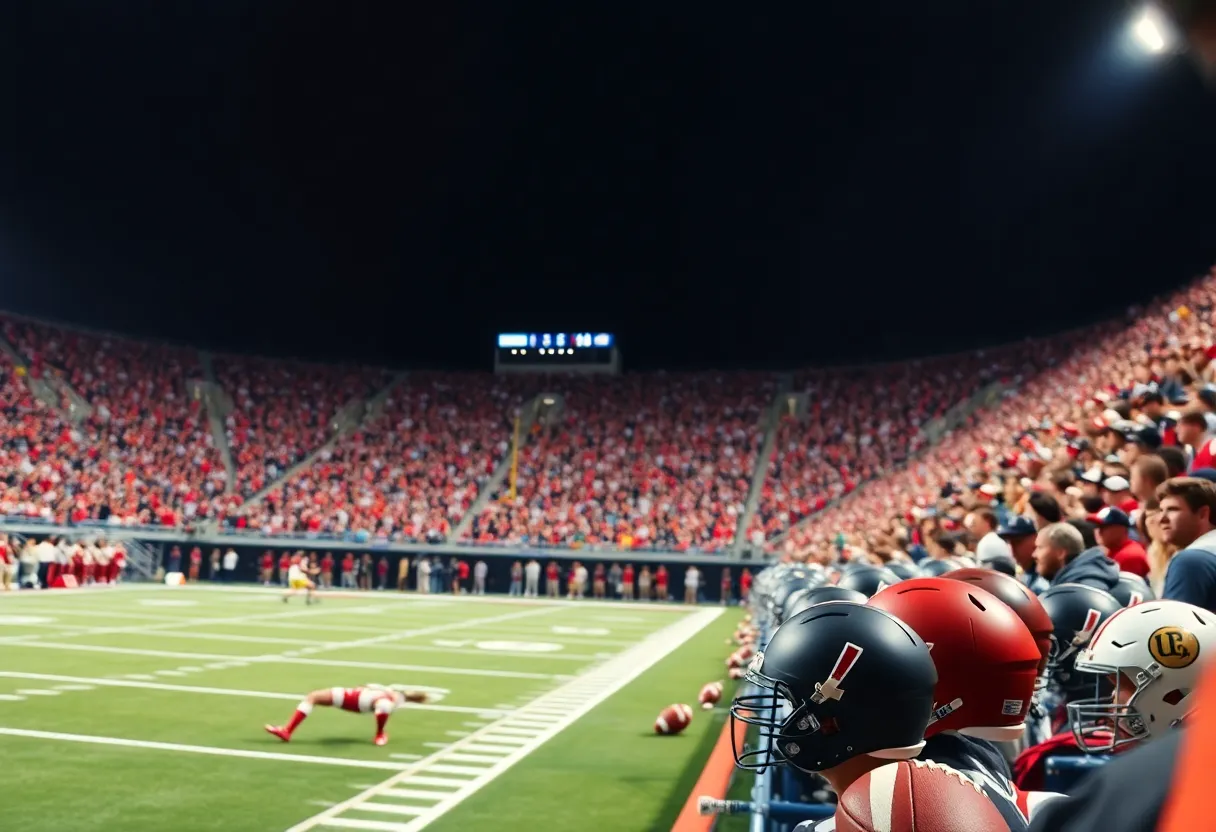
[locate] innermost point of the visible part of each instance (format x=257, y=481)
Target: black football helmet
x=810, y=596
x=905, y=570
x=838, y=680
x=791, y=587
x=1132, y=589
x=867, y=579
x=1076, y=611
x=789, y=580
x=936, y=567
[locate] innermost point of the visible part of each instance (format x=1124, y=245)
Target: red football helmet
x=987, y=660
x=1018, y=597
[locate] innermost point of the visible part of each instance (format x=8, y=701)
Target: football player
x=1151, y=657
x=297, y=579
x=1077, y=612
x=987, y=664
x=373, y=699
x=846, y=689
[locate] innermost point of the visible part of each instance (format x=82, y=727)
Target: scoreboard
x=568, y=351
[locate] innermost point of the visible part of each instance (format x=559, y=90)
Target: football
x=673, y=719
x=916, y=796
x=710, y=694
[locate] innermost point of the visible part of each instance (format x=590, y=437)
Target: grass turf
x=608, y=765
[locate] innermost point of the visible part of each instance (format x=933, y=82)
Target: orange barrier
x=714, y=779
x=1189, y=806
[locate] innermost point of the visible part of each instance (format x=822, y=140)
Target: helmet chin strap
x=945, y=710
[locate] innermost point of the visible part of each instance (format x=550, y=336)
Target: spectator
x=517, y=579
x=1114, y=535
x=230, y=561
x=327, y=570
x=692, y=580
x=480, y=570
x=727, y=584
x=1045, y=509
x=599, y=582
x=552, y=580
x=982, y=524
x=348, y=572
x=644, y=584
x=364, y=572
x=1020, y=534
x=216, y=571
x=614, y=579
x=382, y=573
x=1188, y=507
x=660, y=584
x=1175, y=460
x=627, y=582
x=460, y=576
x=531, y=578
x=1148, y=472
x=1061, y=558
x=1089, y=536
x=403, y=573
x=424, y=575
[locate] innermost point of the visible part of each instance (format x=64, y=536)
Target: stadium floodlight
x=1153, y=31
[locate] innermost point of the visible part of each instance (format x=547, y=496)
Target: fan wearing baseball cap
x=1114, y=536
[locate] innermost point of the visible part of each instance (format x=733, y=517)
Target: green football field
x=141, y=708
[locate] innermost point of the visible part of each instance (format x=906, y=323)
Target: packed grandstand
x=104, y=429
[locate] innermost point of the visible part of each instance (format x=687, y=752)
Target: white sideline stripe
x=406, y=756
x=616, y=673
x=499, y=751
x=277, y=659
x=518, y=732
x=420, y=794
x=441, y=768
x=498, y=739
x=378, y=825
x=392, y=808
x=254, y=694
x=473, y=758
x=431, y=781
x=200, y=749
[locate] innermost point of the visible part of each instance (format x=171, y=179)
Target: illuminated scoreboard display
x=570, y=350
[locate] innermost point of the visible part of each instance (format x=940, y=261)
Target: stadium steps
x=50, y=390
x=354, y=415
x=219, y=405
x=528, y=414
x=782, y=402
x=988, y=396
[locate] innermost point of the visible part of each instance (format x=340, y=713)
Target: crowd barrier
x=771, y=810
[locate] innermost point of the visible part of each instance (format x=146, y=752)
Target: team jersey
x=362, y=700
x=982, y=763
x=296, y=573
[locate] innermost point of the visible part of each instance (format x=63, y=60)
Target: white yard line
x=201, y=749
x=461, y=781
x=239, y=661
x=487, y=712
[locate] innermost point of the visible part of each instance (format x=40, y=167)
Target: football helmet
x=936, y=567
x=1076, y=612
x=867, y=579
x=1018, y=597
x=810, y=596
x=839, y=680
x=1156, y=653
x=905, y=570
x=987, y=660
x=1132, y=589
x=791, y=584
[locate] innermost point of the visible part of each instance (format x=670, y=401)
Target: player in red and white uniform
x=369, y=699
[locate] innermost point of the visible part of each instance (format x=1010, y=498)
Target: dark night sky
x=717, y=185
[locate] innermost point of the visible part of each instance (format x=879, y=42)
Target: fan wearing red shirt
x=727, y=582
x=462, y=576
x=327, y=570
x=348, y=571
x=745, y=585
x=553, y=579
x=381, y=572
x=267, y=567
x=660, y=583
x=196, y=562
x=627, y=583
x=598, y=582
x=284, y=566
x=1113, y=532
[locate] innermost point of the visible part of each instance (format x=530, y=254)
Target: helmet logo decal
x=1173, y=647
x=1086, y=632
x=945, y=710
x=756, y=663
x=830, y=687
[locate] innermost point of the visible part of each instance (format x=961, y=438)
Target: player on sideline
x=377, y=699
x=297, y=579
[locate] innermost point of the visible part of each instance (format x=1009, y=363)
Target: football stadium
x=305, y=524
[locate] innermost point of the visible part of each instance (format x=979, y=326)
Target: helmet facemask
x=1102, y=724
x=781, y=723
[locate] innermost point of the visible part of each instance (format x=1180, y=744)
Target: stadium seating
x=638, y=461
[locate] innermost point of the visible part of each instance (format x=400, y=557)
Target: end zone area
x=142, y=708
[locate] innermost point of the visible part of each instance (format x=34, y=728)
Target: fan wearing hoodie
x=1060, y=556
x=1188, y=508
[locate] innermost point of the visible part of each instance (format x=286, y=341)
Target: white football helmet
x=1156, y=650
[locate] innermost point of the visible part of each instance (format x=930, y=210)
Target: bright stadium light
x=1152, y=31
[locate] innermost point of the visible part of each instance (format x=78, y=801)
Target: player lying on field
x=377, y=699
